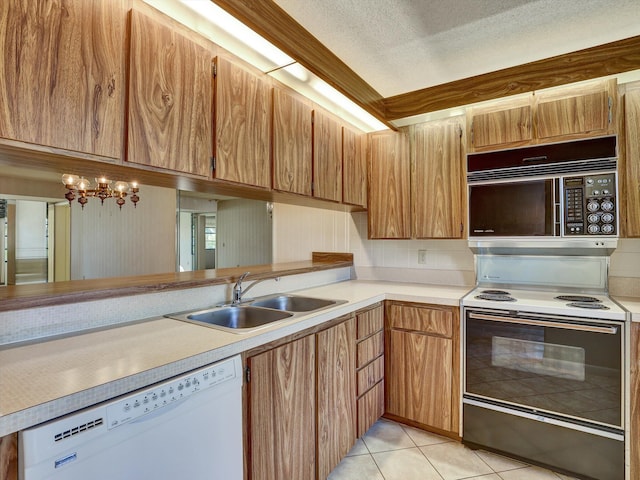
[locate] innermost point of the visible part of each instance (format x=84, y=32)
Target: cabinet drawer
x=370, y=375
x=434, y=321
x=370, y=322
x=369, y=349
x=370, y=408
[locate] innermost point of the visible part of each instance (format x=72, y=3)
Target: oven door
x=514, y=209
x=569, y=368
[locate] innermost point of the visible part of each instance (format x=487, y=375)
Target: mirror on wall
x=44, y=239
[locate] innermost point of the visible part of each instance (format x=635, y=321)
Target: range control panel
x=590, y=205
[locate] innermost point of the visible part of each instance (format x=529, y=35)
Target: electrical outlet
x=422, y=257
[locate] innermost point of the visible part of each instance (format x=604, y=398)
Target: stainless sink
x=293, y=303
x=234, y=318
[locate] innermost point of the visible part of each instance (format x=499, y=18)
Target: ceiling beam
x=277, y=26
x=608, y=59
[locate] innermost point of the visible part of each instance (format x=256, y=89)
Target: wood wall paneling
x=327, y=157
x=242, y=125
x=282, y=404
x=438, y=183
x=62, y=74
x=336, y=392
x=389, y=185
x=292, y=142
x=170, y=99
x=631, y=172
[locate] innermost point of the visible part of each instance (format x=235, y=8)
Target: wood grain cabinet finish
x=635, y=401
x=9, y=457
x=502, y=128
x=327, y=157
x=354, y=167
x=292, y=135
x=242, y=125
x=282, y=412
x=565, y=113
x=170, y=99
x=389, y=187
x=630, y=174
x=438, y=195
x=62, y=74
x=336, y=395
x=423, y=366
x=370, y=366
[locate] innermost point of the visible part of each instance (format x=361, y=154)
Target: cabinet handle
x=534, y=159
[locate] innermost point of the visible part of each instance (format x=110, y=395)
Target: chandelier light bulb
x=69, y=179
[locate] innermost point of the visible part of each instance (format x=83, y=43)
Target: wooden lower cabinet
x=282, y=412
x=634, y=434
x=370, y=366
x=9, y=457
x=301, y=400
x=335, y=390
x=423, y=366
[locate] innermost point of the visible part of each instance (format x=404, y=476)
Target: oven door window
x=574, y=372
x=512, y=209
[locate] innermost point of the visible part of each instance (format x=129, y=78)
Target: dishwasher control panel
x=170, y=392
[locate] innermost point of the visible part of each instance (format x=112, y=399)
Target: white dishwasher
x=189, y=427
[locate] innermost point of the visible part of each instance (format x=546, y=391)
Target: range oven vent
x=591, y=155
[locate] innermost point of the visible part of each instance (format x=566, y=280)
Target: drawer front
x=370, y=408
x=369, y=349
x=370, y=375
x=370, y=322
x=433, y=321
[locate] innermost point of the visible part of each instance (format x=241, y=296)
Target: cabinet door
x=282, y=412
x=438, y=183
x=242, y=133
x=501, y=128
x=389, y=197
x=635, y=400
x=419, y=379
x=327, y=157
x=354, y=167
x=336, y=395
x=291, y=144
x=579, y=111
x=631, y=172
x=9, y=457
x=62, y=74
x=170, y=98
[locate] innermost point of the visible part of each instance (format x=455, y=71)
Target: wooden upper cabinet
x=501, y=128
x=62, y=74
x=242, y=125
x=577, y=111
x=327, y=157
x=170, y=99
x=354, y=167
x=389, y=189
x=291, y=143
x=630, y=174
x=438, y=180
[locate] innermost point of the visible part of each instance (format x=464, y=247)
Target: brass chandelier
x=81, y=188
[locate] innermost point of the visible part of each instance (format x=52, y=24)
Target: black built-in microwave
x=558, y=190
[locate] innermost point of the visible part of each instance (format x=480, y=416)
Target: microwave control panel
x=590, y=205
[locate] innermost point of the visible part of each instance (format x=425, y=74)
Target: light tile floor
x=391, y=451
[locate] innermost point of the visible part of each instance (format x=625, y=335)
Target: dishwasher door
x=188, y=427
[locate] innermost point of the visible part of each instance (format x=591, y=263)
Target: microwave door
x=511, y=209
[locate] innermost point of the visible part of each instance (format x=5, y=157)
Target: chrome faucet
x=238, y=292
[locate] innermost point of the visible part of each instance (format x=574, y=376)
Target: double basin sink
x=261, y=312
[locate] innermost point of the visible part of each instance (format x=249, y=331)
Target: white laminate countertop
x=630, y=304
x=47, y=379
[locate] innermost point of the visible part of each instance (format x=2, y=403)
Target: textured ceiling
x=399, y=46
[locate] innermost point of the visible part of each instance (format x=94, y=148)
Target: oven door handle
x=543, y=323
